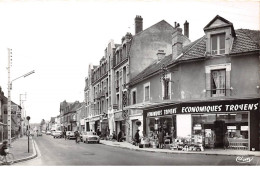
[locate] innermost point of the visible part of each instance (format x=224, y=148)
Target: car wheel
x=98, y=142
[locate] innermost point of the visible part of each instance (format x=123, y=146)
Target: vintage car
x=90, y=136
x=70, y=135
x=57, y=134
x=48, y=133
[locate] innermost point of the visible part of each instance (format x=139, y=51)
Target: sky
x=59, y=39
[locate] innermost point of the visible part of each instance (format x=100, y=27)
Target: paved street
x=66, y=152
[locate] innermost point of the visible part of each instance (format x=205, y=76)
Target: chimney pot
x=138, y=24
x=177, y=42
x=186, y=29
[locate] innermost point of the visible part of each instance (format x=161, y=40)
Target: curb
x=30, y=157
x=180, y=152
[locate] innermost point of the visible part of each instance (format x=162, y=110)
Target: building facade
x=206, y=92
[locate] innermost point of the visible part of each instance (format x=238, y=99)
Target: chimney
x=160, y=54
x=186, y=29
x=177, y=42
x=138, y=24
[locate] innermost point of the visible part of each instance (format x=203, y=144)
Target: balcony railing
x=219, y=92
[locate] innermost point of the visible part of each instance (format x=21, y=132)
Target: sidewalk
x=19, y=148
x=127, y=145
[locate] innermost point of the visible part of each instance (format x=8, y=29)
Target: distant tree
x=41, y=124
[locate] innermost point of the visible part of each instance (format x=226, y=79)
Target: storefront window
x=166, y=123
x=221, y=130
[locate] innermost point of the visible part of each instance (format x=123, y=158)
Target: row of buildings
x=18, y=126
x=158, y=79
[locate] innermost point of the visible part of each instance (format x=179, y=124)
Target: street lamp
x=9, y=93
x=28, y=131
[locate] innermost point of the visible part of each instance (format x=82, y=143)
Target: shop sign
x=208, y=107
x=244, y=128
x=162, y=112
x=220, y=108
x=118, y=117
x=197, y=127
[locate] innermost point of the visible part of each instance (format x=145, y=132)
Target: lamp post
x=28, y=131
x=9, y=117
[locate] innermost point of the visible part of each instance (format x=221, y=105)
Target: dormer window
x=218, y=44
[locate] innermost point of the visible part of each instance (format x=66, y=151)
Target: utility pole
x=9, y=97
x=22, y=113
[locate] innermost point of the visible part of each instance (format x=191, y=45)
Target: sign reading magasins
x=207, y=107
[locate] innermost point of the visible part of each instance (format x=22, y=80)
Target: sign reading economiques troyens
x=207, y=107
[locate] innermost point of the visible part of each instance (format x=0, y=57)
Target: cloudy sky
x=58, y=39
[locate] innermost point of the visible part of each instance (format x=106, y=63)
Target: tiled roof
x=245, y=41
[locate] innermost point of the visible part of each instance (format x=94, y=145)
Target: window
x=218, y=44
x=147, y=92
x=218, y=82
x=117, y=100
x=166, y=88
x=134, y=97
x=124, y=75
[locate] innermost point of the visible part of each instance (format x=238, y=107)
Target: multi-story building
x=69, y=115
x=121, y=63
x=206, y=92
x=16, y=119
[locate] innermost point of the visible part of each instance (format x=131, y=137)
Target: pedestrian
x=77, y=136
x=137, y=138
x=98, y=133
x=119, y=136
x=114, y=135
x=3, y=147
x=160, y=138
x=64, y=134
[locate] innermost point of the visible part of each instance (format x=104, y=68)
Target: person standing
x=119, y=136
x=137, y=138
x=77, y=136
x=160, y=138
x=64, y=134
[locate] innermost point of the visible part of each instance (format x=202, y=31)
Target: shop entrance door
x=134, y=128
x=219, y=128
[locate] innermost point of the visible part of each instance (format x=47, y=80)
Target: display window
x=226, y=130
x=166, y=124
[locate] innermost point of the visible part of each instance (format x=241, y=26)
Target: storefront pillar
x=254, y=131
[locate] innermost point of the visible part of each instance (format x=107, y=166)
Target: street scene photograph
x=110, y=83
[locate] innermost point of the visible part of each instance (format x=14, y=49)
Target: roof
x=245, y=41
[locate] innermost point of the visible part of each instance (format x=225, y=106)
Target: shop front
x=119, y=123
x=104, y=126
x=230, y=124
x=94, y=123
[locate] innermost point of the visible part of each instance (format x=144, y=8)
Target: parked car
x=90, y=136
x=48, y=132
x=39, y=134
x=70, y=135
x=57, y=134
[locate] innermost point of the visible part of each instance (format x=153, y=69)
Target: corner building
x=206, y=92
